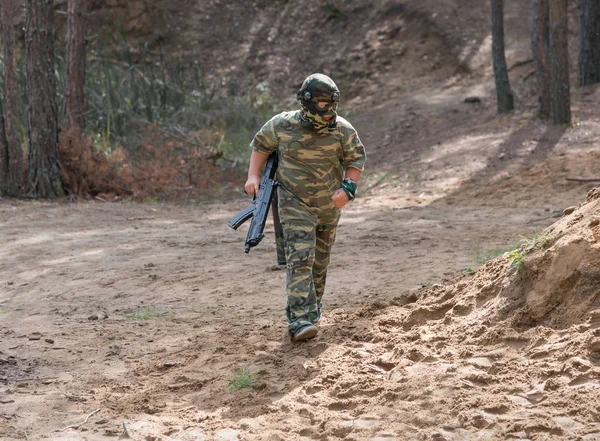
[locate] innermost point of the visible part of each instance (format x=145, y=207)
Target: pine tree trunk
x=3, y=155
x=503, y=92
x=589, y=48
x=560, y=98
x=540, y=37
x=15, y=182
x=75, y=99
x=44, y=168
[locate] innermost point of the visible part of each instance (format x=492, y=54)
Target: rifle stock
x=259, y=209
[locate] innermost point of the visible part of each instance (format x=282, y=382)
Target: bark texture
x=560, y=92
x=75, y=98
x=589, y=47
x=3, y=155
x=540, y=41
x=14, y=155
x=503, y=91
x=44, y=176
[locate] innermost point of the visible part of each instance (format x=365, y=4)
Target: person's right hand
x=252, y=185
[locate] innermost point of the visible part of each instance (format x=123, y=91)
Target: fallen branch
x=582, y=179
x=526, y=76
x=77, y=426
x=521, y=63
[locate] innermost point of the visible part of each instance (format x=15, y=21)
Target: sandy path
x=102, y=303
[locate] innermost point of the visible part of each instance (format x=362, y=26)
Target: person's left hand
x=340, y=198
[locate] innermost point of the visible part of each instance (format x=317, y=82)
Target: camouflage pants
x=309, y=235
x=279, y=241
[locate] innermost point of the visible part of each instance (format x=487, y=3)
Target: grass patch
x=535, y=242
x=526, y=245
x=517, y=260
x=147, y=313
x=242, y=379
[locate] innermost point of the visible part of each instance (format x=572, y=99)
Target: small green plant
x=526, y=245
x=467, y=271
x=243, y=378
x=517, y=253
x=517, y=260
x=146, y=314
x=535, y=242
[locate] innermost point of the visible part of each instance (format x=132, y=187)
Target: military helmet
x=315, y=88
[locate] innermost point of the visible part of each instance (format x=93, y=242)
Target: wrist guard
x=349, y=187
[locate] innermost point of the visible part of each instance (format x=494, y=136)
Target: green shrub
x=242, y=379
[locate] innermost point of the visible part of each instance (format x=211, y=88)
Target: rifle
x=260, y=206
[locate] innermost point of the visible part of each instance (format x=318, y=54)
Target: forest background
x=133, y=111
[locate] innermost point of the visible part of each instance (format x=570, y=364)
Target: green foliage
x=242, y=379
x=130, y=88
x=526, y=245
x=536, y=242
x=517, y=260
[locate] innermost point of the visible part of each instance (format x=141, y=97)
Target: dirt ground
x=118, y=313
x=136, y=321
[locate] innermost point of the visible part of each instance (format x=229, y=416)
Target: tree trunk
x=44, y=168
x=15, y=181
x=3, y=155
x=503, y=92
x=540, y=40
x=589, y=48
x=75, y=99
x=560, y=98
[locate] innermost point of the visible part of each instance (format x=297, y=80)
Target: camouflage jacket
x=311, y=165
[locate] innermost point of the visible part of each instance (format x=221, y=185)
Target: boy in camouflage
x=320, y=162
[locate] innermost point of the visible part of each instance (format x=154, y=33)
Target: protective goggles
x=317, y=97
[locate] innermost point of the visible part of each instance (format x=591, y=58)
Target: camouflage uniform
x=279, y=241
x=312, y=163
